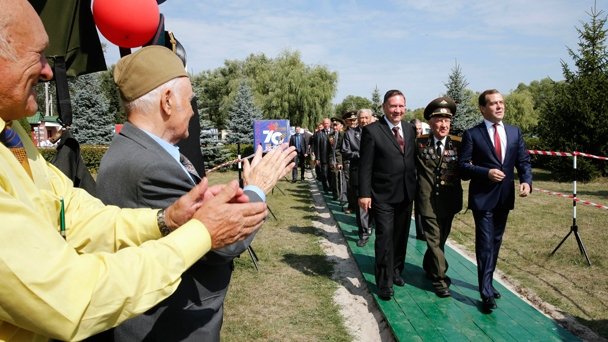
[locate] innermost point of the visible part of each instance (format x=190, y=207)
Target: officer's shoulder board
x=455, y=138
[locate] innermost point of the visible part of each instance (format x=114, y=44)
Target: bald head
x=22, y=62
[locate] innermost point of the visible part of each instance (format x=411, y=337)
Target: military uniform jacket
x=334, y=153
x=350, y=145
x=439, y=189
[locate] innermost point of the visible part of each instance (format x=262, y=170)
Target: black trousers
x=392, y=230
x=299, y=160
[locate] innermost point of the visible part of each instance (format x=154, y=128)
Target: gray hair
x=364, y=111
x=148, y=102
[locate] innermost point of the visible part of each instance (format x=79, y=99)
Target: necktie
x=189, y=167
x=11, y=140
x=497, y=146
x=399, y=138
x=439, y=149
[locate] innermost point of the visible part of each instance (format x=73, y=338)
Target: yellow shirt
x=50, y=288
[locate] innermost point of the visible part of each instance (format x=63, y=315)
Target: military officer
x=440, y=192
x=350, y=118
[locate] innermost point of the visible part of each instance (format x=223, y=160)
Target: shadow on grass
x=310, y=265
x=597, y=325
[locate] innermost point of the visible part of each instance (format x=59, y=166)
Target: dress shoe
x=488, y=304
x=397, y=280
x=361, y=242
x=293, y=180
x=443, y=293
x=385, y=293
x=497, y=294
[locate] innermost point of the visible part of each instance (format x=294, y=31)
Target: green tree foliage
x=542, y=91
x=575, y=119
x=467, y=114
x=283, y=88
x=110, y=91
x=520, y=110
x=376, y=101
x=213, y=150
x=351, y=103
x=92, y=124
x=242, y=115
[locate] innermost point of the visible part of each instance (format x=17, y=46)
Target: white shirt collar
x=390, y=125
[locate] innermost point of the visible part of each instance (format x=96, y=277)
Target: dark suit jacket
x=385, y=173
x=439, y=189
x=137, y=172
x=303, y=143
x=478, y=157
x=320, y=146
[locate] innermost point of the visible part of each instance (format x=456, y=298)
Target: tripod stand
x=574, y=227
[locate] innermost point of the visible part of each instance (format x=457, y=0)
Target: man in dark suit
x=143, y=168
x=350, y=150
x=490, y=152
x=320, y=145
x=439, y=195
x=387, y=185
x=299, y=141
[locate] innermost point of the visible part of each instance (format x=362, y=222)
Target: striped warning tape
x=578, y=200
x=567, y=154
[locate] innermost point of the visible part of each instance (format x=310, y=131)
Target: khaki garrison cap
x=146, y=69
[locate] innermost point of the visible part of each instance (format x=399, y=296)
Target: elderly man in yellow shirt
x=112, y=263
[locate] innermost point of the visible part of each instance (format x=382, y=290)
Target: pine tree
x=242, y=115
x=467, y=114
x=575, y=118
x=92, y=124
x=213, y=150
x=376, y=101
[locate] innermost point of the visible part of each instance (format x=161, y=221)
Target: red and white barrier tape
x=578, y=200
x=567, y=154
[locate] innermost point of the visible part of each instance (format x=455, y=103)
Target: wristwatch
x=162, y=225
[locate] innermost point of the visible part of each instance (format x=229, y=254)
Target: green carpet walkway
x=417, y=314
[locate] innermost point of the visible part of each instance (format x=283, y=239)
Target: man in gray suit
x=350, y=150
x=144, y=168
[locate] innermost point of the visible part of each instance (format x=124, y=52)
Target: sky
x=410, y=45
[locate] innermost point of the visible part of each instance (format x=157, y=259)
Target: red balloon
x=126, y=23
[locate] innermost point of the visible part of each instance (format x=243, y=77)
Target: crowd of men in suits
x=378, y=166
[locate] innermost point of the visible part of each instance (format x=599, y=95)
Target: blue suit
x=491, y=201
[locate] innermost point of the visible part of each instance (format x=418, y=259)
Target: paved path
x=417, y=314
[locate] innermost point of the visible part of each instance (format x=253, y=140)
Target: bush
x=538, y=161
x=91, y=154
x=246, y=150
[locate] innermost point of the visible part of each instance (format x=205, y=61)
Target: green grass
x=290, y=297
